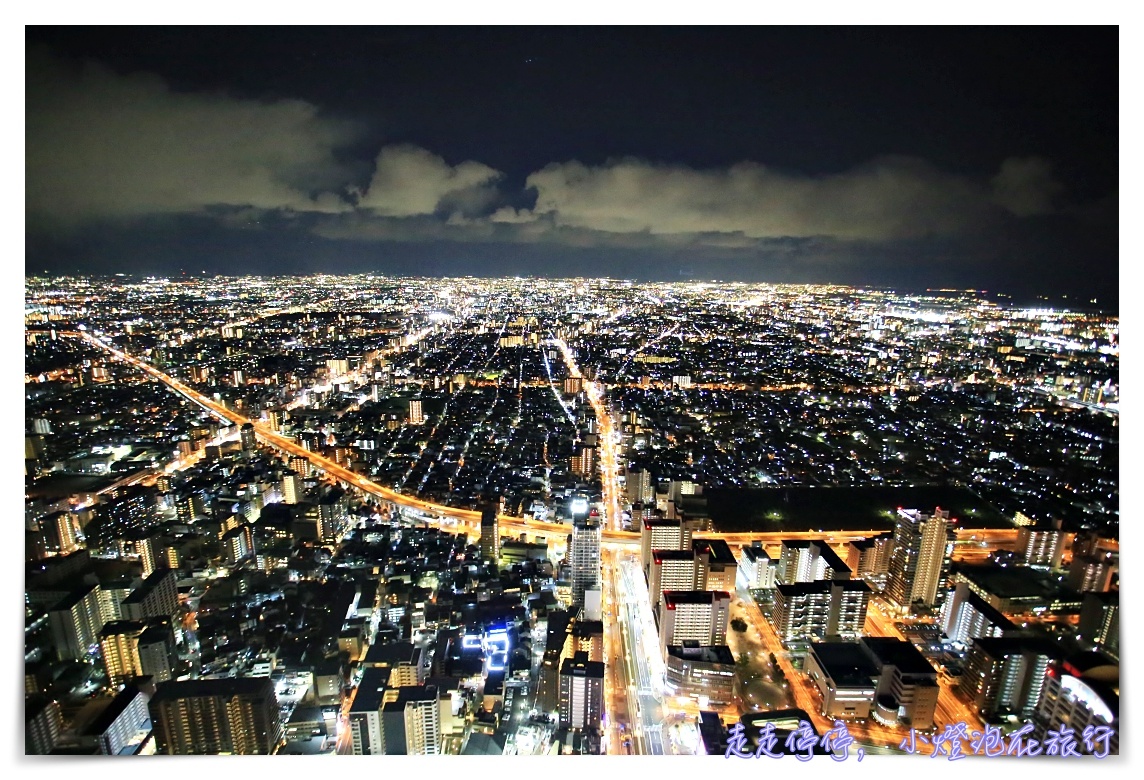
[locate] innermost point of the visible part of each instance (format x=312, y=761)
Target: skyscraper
x=585, y=556
x=920, y=560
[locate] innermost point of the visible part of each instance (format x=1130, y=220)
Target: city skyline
x=725, y=391
x=768, y=154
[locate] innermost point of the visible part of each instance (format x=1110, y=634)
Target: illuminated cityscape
x=566, y=391
x=530, y=516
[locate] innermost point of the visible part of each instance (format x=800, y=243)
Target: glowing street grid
x=387, y=516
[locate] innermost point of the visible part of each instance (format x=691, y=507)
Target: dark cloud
x=103, y=145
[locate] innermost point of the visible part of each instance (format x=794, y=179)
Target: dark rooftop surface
x=903, y=655
x=235, y=686
x=846, y=662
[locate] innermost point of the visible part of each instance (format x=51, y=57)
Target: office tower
x=206, y=717
x=573, y=385
x=411, y=721
x=1041, y=546
x=1089, y=572
x=76, y=622
x=819, y=609
x=158, y=596
x=585, y=555
x=247, y=437
x=1100, y=621
x=701, y=615
x=663, y=535
x=966, y=616
x=42, y=725
x=919, y=563
x=671, y=570
x=581, y=692
x=1005, y=675
x=870, y=559
x=416, y=416
x=715, y=567
x=490, y=534
x=756, y=568
x=1080, y=692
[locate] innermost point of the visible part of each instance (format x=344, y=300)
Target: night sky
x=979, y=158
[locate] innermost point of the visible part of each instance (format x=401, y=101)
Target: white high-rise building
x=701, y=615
x=920, y=559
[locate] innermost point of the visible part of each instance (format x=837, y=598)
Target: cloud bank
x=106, y=146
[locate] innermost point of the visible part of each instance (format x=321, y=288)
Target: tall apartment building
x=75, y=622
x=300, y=465
x=411, y=721
x=1100, y=621
x=416, y=416
x=1094, y=571
x=700, y=615
x=292, y=488
x=870, y=559
x=581, y=692
x=158, y=596
x=716, y=566
x=365, y=713
x=671, y=570
x=801, y=561
x=965, y=616
x=1041, y=546
x=919, y=564
x=43, y=725
x=819, y=609
x=1006, y=675
x=756, y=568
x=236, y=716
x=247, y=438
x=490, y=534
x=585, y=556
x=664, y=535
x=132, y=649
x=638, y=487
